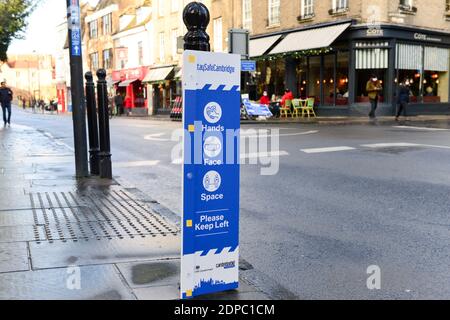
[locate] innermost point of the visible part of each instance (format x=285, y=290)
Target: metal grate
x=95, y=214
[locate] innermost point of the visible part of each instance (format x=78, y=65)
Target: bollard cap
x=101, y=74
x=88, y=76
x=196, y=17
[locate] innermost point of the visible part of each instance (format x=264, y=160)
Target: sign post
x=77, y=90
x=211, y=113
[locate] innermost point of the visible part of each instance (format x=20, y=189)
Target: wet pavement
x=61, y=238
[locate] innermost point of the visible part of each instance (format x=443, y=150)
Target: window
x=307, y=8
x=274, y=12
x=140, y=53
x=93, y=29
x=107, y=59
x=162, y=44
x=247, y=14
x=218, y=35
x=174, y=39
x=407, y=5
x=94, y=61
x=161, y=8
x=447, y=6
x=175, y=5
x=107, y=25
x=339, y=6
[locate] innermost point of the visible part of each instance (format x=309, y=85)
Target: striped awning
x=158, y=74
x=310, y=39
x=436, y=59
x=126, y=83
x=259, y=47
x=372, y=55
x=409, y=57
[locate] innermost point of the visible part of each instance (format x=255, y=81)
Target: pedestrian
x=404, y=93
x=128, y=105
x=24, y=103
x=288, y=96
x=265, y=100
x=118, y=102
x=373, y=89
x=6, y=96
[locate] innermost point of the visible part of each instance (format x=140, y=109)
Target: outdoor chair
x=297, y=105
x=286, y=110
x=308, y=108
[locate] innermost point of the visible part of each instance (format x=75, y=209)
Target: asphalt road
x=344, y=198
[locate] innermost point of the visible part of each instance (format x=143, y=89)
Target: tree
x=13, y=21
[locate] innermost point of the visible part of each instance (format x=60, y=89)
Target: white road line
x=390, y=145
x=259, y=155
x=421, y=128
x=156, y=137
x=325, y=150
x=243, y=135
x=135, y=164
x=433, y=146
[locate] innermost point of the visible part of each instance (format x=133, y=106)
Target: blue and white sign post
x=210, y=248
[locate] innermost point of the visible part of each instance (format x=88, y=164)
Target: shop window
x=270, y=77
x=436, y=75
x=342, y=87
x=328, y=80
x=314, y=78
x=302, y=77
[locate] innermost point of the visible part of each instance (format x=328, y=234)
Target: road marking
x=156, y=137
x=259, y=155
x=421, y=128
x=243, y=135
x=390, y=145
x=256, y=155
x=325, y=150
x=135, y=164
x=433, y=146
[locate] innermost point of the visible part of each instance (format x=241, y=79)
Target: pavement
x=62, y=238
x=345, y=197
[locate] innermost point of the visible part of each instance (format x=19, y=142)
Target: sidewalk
x=66, y=239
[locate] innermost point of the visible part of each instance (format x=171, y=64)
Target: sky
x=41, y=35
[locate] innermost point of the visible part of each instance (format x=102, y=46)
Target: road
x=345, y=198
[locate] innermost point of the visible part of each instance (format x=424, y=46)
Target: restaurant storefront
x=162, y=87
x=129, y=83
x=333, y=62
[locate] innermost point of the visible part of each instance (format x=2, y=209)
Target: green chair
x=286, y=110
x=297, y=105
x=308, y=108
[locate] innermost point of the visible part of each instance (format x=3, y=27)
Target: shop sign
x=211, y=113
x=424, y=37
x=248, y=65
x=375, y=32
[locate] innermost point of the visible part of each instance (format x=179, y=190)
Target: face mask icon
x=212, y=147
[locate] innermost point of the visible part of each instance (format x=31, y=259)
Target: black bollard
x=196, y=17
x=103, y=115
x=92, y=125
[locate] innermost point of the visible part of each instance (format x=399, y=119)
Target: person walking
x=373, y=89
x=6, y=96
x=128, y=105
x=404, y=93
x=118, y=102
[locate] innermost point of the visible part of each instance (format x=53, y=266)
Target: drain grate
x=95, y=214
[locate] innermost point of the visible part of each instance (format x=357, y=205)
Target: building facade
x=30, y=76
x=329, y=49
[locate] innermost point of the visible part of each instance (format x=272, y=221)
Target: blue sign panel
x=76, y=42
x=256, y=109
x=210, y=248
x=74, y=24
x=249, y=66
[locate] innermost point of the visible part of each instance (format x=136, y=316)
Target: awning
x=115, y=82
x=126, y=83
x=159, y=74
x=179, y=74
x=260, y=46
x=436, y=59
x=310, y=39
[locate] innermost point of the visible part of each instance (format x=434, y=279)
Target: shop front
x=333, y=62
x=129, y=83
x=163, y=89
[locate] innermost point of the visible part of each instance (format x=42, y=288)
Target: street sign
x=248, y=65
x=210, y=236
x=74, y=24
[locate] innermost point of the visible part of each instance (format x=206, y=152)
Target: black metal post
x=196, y=17
x=103, y=115
x=92, y=125
x=78, y=104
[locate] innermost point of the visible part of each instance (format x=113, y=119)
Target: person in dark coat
x=118, y=102
x=6, y=96
x=404, y=93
